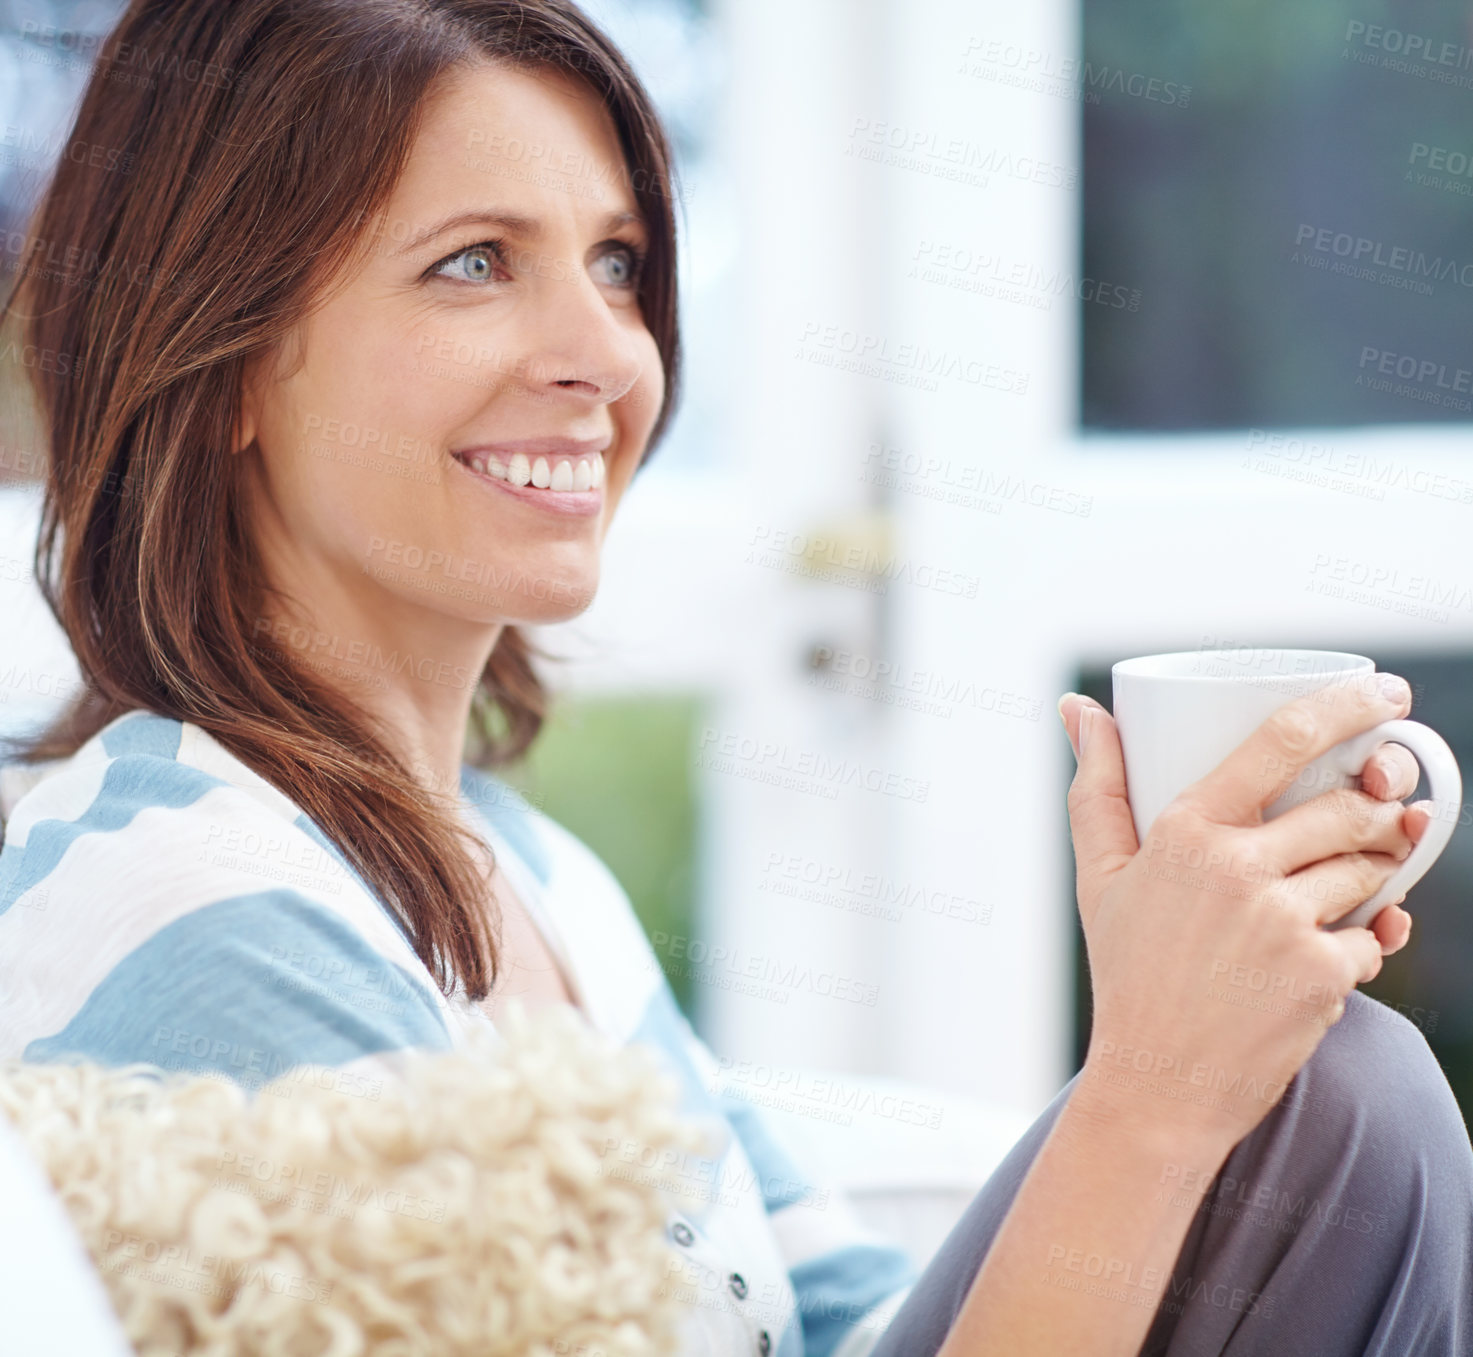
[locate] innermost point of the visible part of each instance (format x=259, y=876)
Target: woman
x=364, y=353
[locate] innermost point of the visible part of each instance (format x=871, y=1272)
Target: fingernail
x=1394, y=688
x=1065, y=720
x=1086, y=720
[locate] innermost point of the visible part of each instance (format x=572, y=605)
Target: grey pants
x=1343, y=1224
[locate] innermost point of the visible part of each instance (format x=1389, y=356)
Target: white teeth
x=584, y=474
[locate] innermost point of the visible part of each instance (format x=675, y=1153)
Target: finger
x=1330, y=889
x=1392, y=927
x=1099, y=813
x=1415, y=819
x=1070, y=705
x=1266, y=764
x=1341, y=821
x=1391, y=774
x=1361, y=953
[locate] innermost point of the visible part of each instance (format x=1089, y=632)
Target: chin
x=541, y=599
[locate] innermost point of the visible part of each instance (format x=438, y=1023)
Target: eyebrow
x=529, y=228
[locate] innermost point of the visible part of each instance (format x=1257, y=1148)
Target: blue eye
x=629, y=263
x=624, y=264
x=481, y=260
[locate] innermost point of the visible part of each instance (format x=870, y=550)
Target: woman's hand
x=1212, y=980
x=1212, y=986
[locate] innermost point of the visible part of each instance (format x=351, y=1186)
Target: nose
x=577, y=342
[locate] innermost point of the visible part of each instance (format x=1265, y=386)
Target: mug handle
x=1446, y=782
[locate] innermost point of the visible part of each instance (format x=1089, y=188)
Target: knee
x=1374, y=1090
x=1375, y=1061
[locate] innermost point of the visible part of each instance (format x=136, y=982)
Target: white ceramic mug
x=1180, y=715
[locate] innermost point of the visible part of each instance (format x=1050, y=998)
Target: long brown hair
x=245, y=129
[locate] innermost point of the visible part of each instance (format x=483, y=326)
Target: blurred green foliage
x=619, y=773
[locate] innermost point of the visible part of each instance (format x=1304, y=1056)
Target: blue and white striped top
x=161, y=902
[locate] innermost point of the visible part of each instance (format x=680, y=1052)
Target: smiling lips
x=545, y=463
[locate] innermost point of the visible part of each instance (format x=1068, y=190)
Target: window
x=1278, y=211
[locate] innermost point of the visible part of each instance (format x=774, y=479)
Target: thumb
x=1099, y=813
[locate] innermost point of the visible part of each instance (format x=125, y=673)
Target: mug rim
x=1152, y=667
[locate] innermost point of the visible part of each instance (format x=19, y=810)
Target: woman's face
x=492, y=315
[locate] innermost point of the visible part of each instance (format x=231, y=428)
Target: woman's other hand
x=1212, y=980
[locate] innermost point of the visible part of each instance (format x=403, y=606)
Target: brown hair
x=160, y=284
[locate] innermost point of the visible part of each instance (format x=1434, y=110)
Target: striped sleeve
x=848, y=1279
x=151, y=911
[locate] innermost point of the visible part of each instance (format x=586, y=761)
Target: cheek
x=399, y=383
x=402, y=380
x=356, y=441
x=644, y=399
